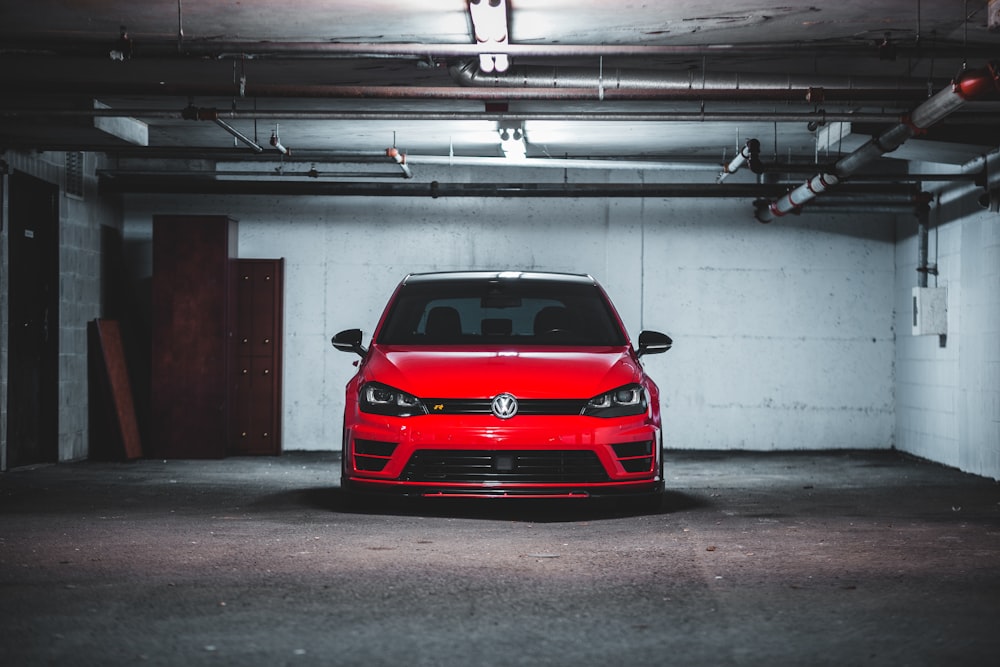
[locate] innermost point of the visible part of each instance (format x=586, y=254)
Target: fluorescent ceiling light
x=512, y=143
x=489, y=23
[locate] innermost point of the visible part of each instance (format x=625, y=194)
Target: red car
x=502, y=384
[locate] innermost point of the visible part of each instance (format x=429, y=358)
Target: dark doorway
x=32, y=388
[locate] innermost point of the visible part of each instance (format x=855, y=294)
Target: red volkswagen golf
x=502, y=384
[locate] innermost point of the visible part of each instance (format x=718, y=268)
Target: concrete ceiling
x=337, y=82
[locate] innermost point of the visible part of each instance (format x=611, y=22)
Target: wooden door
x=193, y=262
x=33, y=354
x=255, y=389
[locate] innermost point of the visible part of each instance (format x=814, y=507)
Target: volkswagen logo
x=504, y=406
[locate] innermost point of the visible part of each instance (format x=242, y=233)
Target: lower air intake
x=504, y=466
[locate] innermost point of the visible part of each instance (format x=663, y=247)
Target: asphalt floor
x=829, y=558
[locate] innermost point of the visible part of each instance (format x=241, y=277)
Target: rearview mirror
x=653, y=342
x=349, y=340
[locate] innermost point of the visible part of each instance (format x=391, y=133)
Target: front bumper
x=475, y=456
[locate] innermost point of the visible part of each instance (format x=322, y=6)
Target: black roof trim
x=439, y=276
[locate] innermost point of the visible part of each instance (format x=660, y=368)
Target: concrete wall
x=788, y=336
x=80, y=220
x=784, y=333
x=948, y=390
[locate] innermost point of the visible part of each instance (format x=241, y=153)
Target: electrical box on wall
x=930, y=311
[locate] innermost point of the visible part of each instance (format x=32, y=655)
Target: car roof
x=448, y=276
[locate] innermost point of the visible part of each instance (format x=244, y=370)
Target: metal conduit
x=597, y=116
x=742, y=86
x=484, y=93
x=257, y=148
x=923, y=217
x=563, y=163
x=170, y=46
x=159, y=183
x=370, y=157
x=223, y=156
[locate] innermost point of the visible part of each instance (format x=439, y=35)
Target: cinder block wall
x=80, y=302
x=948, y=391
x=784, y=333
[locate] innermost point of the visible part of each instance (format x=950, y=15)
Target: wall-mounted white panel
x=930, y=311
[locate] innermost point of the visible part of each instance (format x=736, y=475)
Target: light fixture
x=122, y=50
x=512, y=143
x=276, y=142
x=489, y=23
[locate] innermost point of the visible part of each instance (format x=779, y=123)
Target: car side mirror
x=653, y=342
x=349, y=340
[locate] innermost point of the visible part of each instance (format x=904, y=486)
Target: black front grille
x=503, y=466
x=538, y=406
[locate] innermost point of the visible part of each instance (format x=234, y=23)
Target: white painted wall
x=948, y=392
x=783, y=333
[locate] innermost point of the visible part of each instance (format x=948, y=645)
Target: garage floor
x=847, y=558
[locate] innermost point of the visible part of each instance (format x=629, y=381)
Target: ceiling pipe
x=64, y=43
x=692, y=84
x=969, y=85
x=276, y=142
x=224, y=156
x=563, y=163
x=132, y=181
x=984, y=188
x=249, y=174
x=750, y=153
x=400, y=159
x=923, y=268
x=135, y=155
x=477, y=93
x=761, y=116
x=193, y=113
x=257, y=148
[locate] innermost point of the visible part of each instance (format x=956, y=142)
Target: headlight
x=381, y=399
x=621, y=402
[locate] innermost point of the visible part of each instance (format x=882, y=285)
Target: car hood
x=484, y=373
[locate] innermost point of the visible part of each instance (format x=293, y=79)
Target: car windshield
x=519, y=312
